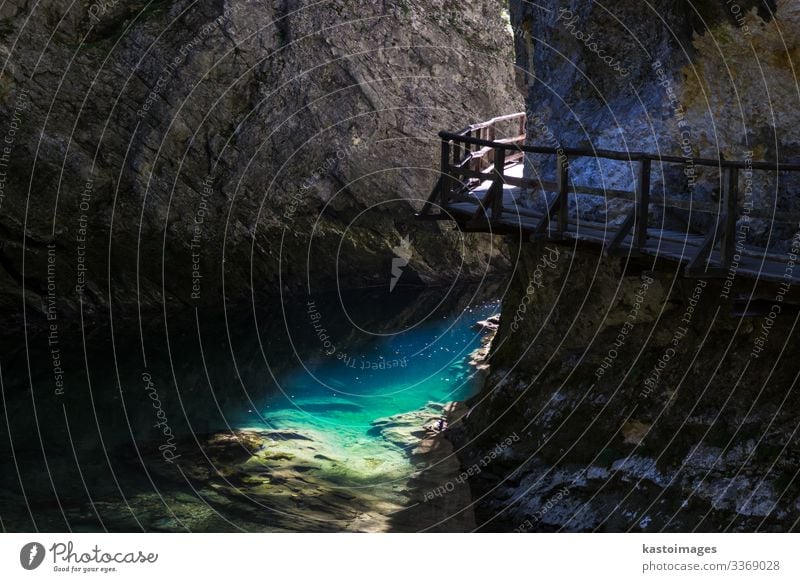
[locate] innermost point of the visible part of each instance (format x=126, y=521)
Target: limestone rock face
x=641, y=400
x=702, y=79
x=640, y=403
x=164, y=147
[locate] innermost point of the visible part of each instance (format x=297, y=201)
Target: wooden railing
x=473, y=152
x=475, y=155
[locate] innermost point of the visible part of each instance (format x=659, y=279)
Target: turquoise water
x=341, y=390
x=284, y=438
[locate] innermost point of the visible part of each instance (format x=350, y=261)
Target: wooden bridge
x=482, y=188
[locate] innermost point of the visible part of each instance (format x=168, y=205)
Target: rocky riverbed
x=281, y=480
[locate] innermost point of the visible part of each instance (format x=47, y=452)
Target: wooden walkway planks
x=664, y=244
x=482, y=184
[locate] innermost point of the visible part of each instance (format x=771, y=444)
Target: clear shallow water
x=322, y=381
x=345, y=391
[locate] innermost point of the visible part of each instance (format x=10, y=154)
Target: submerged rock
x=488, y=324
x=288, y=480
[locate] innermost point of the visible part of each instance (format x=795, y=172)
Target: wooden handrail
x=642, y=203
x=622, y=156
x=490, y=122
x=679, y=203
x=562, y=182
x=730, y=188
x=473, y=154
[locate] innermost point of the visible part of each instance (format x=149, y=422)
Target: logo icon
x=31, y=555
x=402, y=254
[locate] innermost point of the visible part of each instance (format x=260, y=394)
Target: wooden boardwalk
x=482, y=188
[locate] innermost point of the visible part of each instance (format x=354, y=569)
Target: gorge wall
x=161, y=161
x=641, y=400
x=702, y=79
x=182, y=152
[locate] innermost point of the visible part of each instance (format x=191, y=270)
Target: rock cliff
x=640, y=403
x=642, y=399
x=184, y=151
x=687, y=79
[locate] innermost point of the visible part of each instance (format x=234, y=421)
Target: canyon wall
x=640, y=402
x=162, y=161
x=687, y=79
x=642, y=399
x=185, y=152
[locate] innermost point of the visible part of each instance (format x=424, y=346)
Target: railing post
x=642, y=203
x=458, y=153
x=490, y=135
x=474, y=163
x=499, y=180
x=563, y=187
x=730, y=194
x=447, y=181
